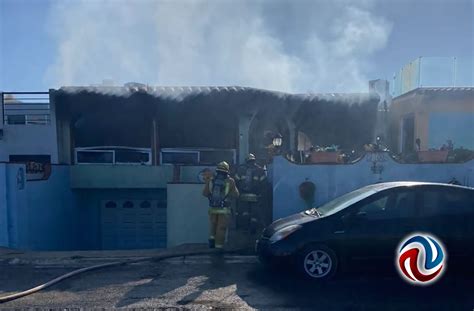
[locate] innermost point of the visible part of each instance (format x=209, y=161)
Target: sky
x=292, y=46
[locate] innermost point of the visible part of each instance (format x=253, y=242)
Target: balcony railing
x=26, y=108
x=197, y=156
x=433, y=72
x=112, y=155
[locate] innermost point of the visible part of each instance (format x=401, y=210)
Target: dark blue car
x=368, y=224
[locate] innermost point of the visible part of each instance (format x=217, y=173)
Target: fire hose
x=106, y=265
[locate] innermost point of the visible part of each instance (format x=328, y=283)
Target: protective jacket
x=250, y=178
x=220, y=189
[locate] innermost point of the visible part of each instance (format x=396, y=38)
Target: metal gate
x=133, y=224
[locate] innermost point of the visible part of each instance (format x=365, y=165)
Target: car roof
x=396, y=184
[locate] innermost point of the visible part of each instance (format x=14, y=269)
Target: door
x=448, y=213
x=133, y=224
x=377, y=224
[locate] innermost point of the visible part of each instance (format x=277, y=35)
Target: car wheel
x=317, y=262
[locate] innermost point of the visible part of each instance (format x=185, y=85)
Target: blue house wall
x=37, y=215
x=49, y=215
x=53, y=212
x=333, y=180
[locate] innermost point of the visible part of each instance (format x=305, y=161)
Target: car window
x=391, y=206
x=447, y=202
x=404, y=205
x=375, y=207
x=344, y=201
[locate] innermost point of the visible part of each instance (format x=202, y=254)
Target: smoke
x=290, y=46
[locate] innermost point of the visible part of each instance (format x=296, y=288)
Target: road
x=229, y=282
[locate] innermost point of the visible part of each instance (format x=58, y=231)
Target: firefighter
x=250, y=179
x=219, y=189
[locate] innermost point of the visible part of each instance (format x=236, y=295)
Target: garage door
x=133, y=224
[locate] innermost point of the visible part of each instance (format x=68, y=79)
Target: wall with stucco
x=14, y=212
x=455, y=126
x=334, y=180
x=28, y=139
x=38, y=215
x=53, y=212
x=438, y=114
x=3, y=205
x=187, y=216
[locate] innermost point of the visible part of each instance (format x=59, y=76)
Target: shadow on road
x=366, y=288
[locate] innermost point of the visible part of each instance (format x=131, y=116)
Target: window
x=404, y=205
x=394, y=205
x=180, y=157
x=375, y=209
x=447, y=202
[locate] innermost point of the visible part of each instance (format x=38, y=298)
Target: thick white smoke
x=293, y=46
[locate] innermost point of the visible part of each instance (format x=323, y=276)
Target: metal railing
x=112, y=155
x=197, y=156
x=26, y=108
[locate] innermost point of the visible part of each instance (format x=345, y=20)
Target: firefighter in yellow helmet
x=220, y=189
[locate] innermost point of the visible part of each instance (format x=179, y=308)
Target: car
x=368, y=224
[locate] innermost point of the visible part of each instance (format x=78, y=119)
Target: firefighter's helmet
x=250, y=157
x=223, y=167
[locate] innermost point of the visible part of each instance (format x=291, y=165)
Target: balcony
x=26, y=108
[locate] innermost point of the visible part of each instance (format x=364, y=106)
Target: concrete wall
x=187, y=214
x=14, y=211
x=53, y=212
x=3, y=205
x=103, y=176
x=432, y=111
x=334, y=180
x=191, y=173
x=37, y=214
x=28, y=139
x=456, y=126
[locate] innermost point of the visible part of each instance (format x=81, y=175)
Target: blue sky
x=35, y=36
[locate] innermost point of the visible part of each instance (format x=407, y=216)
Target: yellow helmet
x=223, y=167
x=250, y=157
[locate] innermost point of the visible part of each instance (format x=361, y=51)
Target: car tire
x=317, y=262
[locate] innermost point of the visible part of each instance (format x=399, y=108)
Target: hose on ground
x=106, y=265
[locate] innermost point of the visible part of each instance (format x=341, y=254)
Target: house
x=126, y=163
x=432, y=116
x=123, y=167
x=432, y=108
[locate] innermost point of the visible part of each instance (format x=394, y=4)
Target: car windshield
x=342, y=202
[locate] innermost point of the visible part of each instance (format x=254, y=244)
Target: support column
x=293, y=135
x=245, y=121
x=64, y=141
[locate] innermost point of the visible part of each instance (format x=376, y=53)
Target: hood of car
x=295, y=219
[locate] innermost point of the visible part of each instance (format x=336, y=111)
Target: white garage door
x=133, y=224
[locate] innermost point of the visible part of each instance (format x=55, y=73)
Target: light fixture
x=277, y=140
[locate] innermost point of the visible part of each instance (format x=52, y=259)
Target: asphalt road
x=231, y=282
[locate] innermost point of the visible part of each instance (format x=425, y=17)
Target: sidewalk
x=81, y=258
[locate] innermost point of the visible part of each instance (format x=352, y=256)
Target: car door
x=448, y=213
x=378, y=224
